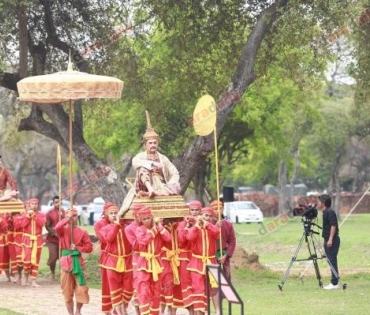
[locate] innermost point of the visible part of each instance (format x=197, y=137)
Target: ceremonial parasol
x=204, y=123
x=68, y=86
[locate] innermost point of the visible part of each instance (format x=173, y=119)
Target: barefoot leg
x=34, y=284
x=78, y=308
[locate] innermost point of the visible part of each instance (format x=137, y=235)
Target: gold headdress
x=150, y=133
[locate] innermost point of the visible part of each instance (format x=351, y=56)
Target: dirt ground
x=46, y=300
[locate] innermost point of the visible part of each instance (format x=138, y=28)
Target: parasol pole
x=218, y=186
x=70, y=69
x=59, y=171
x=70, y=166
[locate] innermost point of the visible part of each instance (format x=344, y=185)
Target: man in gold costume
x=155, y=173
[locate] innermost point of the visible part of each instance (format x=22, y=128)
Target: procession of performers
x=156, y=264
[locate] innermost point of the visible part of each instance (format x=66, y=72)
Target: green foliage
x=281, y=113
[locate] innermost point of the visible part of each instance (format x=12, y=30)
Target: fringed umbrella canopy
x=68, y=86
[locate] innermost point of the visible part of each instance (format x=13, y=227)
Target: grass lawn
x=275, y=241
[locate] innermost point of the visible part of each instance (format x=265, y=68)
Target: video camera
x=308, y=211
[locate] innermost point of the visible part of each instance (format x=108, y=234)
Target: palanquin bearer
x=118, y=261
x=18, y=240
x=12, y=246
x=8, y=257
x=150, y=237
x=185, y=254
x=105, y=291
x=203, y=236
x=228, y=244
x=73, y=242
x=4, y=245
x=170, y=277
x=131, y=236
x=228, y=238
x=32, y=223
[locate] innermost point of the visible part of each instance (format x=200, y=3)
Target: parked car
x=243, y=211
x=95, y=210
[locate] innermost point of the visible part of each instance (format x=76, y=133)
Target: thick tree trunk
x=187, y=162
x=199, y=181
x=23, y=46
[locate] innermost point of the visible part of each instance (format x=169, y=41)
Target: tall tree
x=55, y=27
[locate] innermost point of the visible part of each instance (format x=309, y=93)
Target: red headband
x=144, y=212
x=107, y=206
x=136, y=207
x=195, y=204
x=208, y=210
x=216, y=203
x=33, y=200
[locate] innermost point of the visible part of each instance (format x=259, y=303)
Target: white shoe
x=331, y=286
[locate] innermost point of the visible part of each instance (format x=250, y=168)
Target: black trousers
x=331, y=255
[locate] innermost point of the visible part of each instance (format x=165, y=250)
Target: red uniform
x=32, y=241
x=72, y=271
x=203, y=253
x=149, y=267
x=118, y=263
x=11, y=245
x=131, y=237
x=170, y=278
x=105, y=291
x=18, y=239
x=52, y=240
x=4, y=248
x=184, y=258
x=228, y=240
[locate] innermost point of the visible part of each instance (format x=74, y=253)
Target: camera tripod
x=309, y=237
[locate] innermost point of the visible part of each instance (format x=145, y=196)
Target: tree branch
x=189, y=161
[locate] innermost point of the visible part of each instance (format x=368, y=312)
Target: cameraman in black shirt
x=330, y=233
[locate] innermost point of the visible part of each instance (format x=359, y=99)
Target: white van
x=243, y=211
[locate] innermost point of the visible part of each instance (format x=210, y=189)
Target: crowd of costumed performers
x=153, y=263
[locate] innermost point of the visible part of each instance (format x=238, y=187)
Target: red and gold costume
x=131, y=237
x=72, y=263
x=170, y=277
x=18, y=238
x=11, y=244
x=203, y=241
x=149, y=265
x=185, y=247
x=105, y=291
x=118, y=262
x=32, y=240
x=228, y=239
x=184, y=258
x=4, y=246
